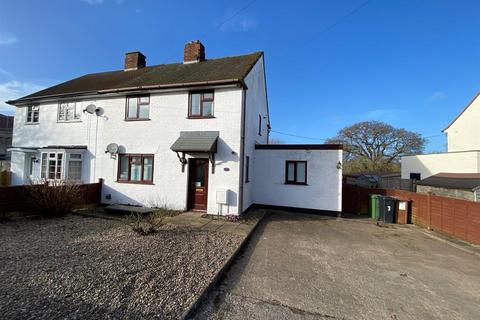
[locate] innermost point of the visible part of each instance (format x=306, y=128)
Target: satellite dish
x=91, y=108
x=112, y=148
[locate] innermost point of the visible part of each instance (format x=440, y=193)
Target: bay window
x=53, y=168
x=135, y=168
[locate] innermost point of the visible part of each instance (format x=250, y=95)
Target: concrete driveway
x=300, y=266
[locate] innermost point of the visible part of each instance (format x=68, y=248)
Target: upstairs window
x=68, y=111
x=200, y=104
x=32, y=114
x=135, y=168
x=415, y=176
x=138, y=108
x=296, y=172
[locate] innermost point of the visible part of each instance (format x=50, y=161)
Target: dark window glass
x=247, y=169
x=296, y=172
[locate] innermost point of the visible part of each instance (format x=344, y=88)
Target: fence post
x=429, y=209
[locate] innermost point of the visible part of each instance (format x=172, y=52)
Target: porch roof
x=196, y=142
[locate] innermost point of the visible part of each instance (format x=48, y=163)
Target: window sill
x=32, y=123
x=297, y=183
x=69, y=121
x=136, y=182
x=194, y=117
x=137, y=119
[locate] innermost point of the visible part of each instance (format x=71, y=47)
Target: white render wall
x=324, y=181
x=256, y=102
x=168, y=114
x=430, y=164
x=464, y=133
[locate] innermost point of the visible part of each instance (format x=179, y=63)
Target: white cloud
x=380, y=114
x=14, y=90
x=7, y=38
x=239, y=24
x=436, y=96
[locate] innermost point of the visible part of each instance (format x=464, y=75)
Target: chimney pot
x=194, y=52
x=134, y=60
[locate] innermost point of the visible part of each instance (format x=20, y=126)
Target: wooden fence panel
x=459, y=218
x=16, y=198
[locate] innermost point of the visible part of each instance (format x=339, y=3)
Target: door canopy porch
x=196, y=142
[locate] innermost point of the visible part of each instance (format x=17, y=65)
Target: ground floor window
x=135, y=168
x=296, y=172
x=74, y=167
x=52, y=166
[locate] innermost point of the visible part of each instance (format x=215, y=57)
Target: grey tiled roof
x=212, y=70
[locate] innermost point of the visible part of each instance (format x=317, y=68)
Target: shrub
x=142, y=225
x=54, y=198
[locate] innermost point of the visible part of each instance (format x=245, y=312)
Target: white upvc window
x=61, y=165
x=52, y=165
x=33, y=113
x=68, y=111
x=74, y=172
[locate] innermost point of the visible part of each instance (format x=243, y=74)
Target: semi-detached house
x=188, y=136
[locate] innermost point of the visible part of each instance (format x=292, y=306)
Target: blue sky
x=329, y=63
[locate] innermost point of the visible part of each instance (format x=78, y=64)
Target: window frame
x=138, y=97
x=45, y=169
x=32, y=117
x=67, y=167
x=295, y=169
x=130, y=155
x=202, y=100
x=247, y=169
x=76, y=112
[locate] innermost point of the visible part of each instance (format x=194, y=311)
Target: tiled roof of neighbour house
x=212, y=71
x=6, y=122
x=466, y=181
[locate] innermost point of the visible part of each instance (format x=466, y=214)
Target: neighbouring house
x=464, y=186
x=463, y=148
x=189, y=136
x=6, y=130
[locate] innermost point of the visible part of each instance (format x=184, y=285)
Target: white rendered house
x=463, y=148
x=183, y=135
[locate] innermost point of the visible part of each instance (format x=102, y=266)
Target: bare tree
x=376, y=146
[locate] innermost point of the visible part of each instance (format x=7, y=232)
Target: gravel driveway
x=91, y=268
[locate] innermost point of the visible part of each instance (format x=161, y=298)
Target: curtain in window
x=136, y=169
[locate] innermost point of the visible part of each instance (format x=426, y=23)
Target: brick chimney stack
x=194, y=52
x=134, y=60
